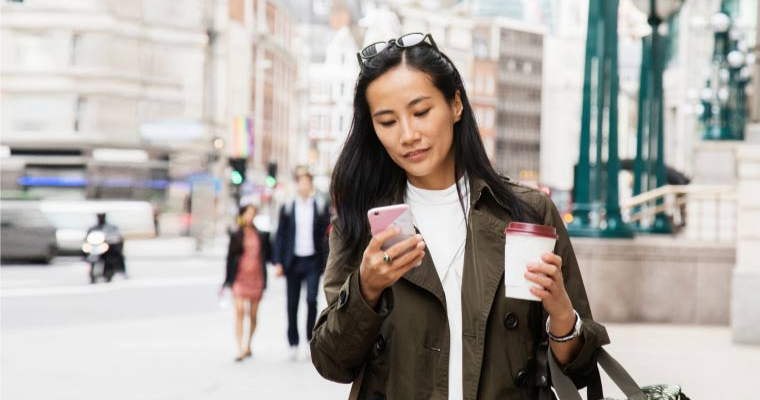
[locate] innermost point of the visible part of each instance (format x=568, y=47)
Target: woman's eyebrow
x=417, y=100
x=382, y=112
x=411, y=104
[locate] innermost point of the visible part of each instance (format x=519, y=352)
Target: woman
x=248, y=253
x=443, y=329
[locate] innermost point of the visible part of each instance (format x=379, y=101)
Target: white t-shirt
x=304, y=215
x=439, y=217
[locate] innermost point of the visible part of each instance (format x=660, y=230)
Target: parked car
x=73, y=218
x=26, y=233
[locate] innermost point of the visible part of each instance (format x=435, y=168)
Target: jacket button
x=378, y=396
x=542, y=380
x=521, y=379
x=510, y=320
x=342, y=297
x=380, y=344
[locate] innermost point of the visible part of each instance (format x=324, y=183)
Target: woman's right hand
x=375, y=274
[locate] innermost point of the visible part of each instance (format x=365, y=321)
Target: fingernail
x=419, y=237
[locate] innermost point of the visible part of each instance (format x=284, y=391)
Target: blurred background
x=639, y=118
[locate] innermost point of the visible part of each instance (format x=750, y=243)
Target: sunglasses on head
x=404, y=42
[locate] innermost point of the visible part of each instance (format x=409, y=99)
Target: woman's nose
x=408, y=133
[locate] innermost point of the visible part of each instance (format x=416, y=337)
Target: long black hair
x=365, y=176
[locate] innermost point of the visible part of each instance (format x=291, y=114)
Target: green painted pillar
x=597, y=208
x=649, y=167
x=661, y=223
x=640, y=175
x=582, y=189
x=614, y=226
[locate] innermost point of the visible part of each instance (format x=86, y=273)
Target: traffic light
x=272, y=174
x=237, y=175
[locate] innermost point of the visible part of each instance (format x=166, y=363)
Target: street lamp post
x=596, y=207
x=724, y=99
x=649, y=166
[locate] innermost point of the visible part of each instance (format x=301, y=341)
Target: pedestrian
x=300, y=252
x=247, y=255
x=434, y=323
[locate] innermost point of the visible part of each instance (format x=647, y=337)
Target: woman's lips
x=416, y=155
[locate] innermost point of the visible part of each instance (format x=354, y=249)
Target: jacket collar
x=478, y=187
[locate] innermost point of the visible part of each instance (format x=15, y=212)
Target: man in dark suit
x=300, y=251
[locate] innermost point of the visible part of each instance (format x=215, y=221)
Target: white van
x=72, y=219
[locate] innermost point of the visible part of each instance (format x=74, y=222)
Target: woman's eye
x=422, y=113
x=387, y=123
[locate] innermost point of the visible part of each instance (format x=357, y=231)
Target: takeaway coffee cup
x=524, y=244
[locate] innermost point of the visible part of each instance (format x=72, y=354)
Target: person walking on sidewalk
x=300, y=252
x=428, y=319
x=249, y=250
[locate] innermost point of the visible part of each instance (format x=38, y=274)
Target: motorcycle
x=96, y=250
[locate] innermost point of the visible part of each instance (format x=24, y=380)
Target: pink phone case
x=381, y=218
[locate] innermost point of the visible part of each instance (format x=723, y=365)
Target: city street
x=163, y=334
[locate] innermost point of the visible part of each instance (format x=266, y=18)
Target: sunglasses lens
x=411, y=39
x=373, y=49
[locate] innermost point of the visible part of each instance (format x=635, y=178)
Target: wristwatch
x=570, y=336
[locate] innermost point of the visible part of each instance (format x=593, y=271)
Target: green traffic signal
x=236, y=177
x=271, y=181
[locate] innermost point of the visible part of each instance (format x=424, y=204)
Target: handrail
x=728, y=191
x=710, y=201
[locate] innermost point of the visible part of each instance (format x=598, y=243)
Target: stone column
x=745, y=293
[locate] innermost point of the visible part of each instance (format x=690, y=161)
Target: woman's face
x=415, y=124
x=248, y=215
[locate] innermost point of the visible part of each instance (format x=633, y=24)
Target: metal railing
x=700, y=212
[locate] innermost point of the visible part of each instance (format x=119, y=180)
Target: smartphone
x=381, y=218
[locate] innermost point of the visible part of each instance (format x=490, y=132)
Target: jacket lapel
x=426, y=277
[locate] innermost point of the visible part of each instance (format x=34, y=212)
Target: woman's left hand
x=548, y=274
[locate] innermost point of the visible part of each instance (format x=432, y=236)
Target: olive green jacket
x=401, y=348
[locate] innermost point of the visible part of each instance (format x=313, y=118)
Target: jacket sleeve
x=346, y=329
x=279, y=239
x=582, y=370
x=231, y=260
x=266, y=247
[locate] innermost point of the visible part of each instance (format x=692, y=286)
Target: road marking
x=110, y=287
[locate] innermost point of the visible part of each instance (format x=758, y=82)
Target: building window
x=75, y=39
x=15, y=1
x=81, y=108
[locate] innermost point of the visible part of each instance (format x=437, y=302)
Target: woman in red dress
x=248, y=253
